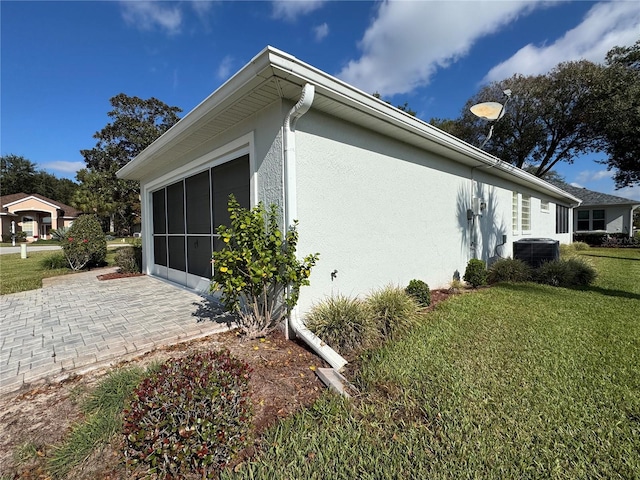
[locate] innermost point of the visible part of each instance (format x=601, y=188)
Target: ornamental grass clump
x=191, y=416
x=394, y=311
x=509, y=270
x=85, y=244
x=345, y=324
x=572, y=272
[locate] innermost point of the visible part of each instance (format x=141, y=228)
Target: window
x=591, y=220
x=583, y=220
x=514, y=213
x=27, y=226
x=525, y=213
x=597, y=220
x=544, y=206
x=562, y=219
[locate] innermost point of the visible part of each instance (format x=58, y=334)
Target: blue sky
x=62, y=61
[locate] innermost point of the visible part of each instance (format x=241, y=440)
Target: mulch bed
x=114, y=275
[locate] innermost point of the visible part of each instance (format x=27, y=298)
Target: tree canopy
x=619, y=114
x=135, y=124
x=577, y=108
x=20, y=175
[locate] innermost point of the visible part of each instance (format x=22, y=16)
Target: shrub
x=394, y=311
x=591, y=239
x=257, y=270
x=85, y=244
x=475, y=273
x=344, y=323
x=59, y=234
x=509, y=270
x=129, y=259
x=573, y=272
x=192, y=415
x=54, y=261
x=20, y=237
x=580, y=246
x=420, y=292
x=582, y=272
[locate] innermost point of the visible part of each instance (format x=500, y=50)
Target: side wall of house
x=382, y=212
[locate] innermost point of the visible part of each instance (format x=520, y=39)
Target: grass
x=19, y=274
x=516, y=381
x=103, y=419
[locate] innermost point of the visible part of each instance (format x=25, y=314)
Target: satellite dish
x=488, y=110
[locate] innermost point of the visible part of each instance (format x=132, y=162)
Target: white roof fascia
x=330, y=86
x=31, y=197
x=250, y=73
x=273, y=62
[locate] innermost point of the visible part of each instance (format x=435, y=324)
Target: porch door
x=185, y=216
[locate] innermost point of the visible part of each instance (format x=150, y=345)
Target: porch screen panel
x=197, y=202
x=199, y=255
x=159, y=212
x=177, y=259
x=231, y=177
x=160, y=250
x=175, y=208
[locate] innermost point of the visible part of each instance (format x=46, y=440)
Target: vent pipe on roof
x=295, y=327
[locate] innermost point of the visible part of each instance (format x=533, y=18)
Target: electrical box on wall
x=479, y=206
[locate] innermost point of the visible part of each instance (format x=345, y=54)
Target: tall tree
x=548, y=118
x=618, y=115
x=20, y=175
x=135, y=124
x=16, y=174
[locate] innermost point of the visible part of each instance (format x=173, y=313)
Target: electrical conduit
x=295, y=325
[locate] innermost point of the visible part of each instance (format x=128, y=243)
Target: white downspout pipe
x=295, y=327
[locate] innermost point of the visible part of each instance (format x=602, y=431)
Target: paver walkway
x=77, y=322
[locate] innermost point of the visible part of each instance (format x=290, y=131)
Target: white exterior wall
x=618, y=218
x=382, y=212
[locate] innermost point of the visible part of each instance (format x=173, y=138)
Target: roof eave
x=273, y=62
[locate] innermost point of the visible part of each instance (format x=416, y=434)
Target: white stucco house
x=382, y=196
x=601, y=213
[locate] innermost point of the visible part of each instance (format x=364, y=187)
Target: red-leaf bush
x=190, y=416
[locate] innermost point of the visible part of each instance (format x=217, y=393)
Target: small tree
x=257, y=269
x=85, y=243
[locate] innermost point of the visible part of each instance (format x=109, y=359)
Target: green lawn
x=19, y=274
x=515, y=381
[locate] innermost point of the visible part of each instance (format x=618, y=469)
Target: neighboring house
x=34, y=214
x=382, y=196
x=600, y=212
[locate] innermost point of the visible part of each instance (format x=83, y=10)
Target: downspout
x=295, y=327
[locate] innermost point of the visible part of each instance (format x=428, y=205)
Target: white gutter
x=295, y=325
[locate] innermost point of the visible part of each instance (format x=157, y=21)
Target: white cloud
x=224, y=69
x=63, y=166
x=321, y=31
x=606, y=25
x=632, y=193
x=202, y=7
x=409, y=41
x=147, y=15
x=291, y=9
x=586, y=176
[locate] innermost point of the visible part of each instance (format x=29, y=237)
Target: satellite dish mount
x=491, y=111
